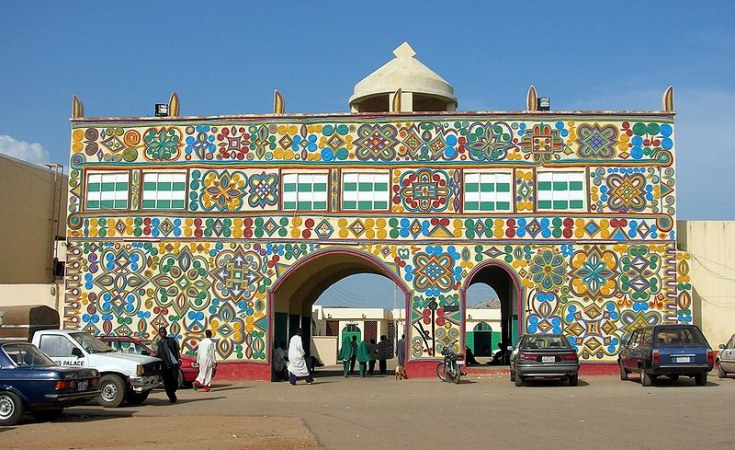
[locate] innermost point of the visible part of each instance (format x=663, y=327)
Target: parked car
x=544, y=356
x=726, y=358
x=670, y=350
x=30, y=381
x=188, y=370
x=125, y=378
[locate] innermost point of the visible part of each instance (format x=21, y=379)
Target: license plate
x=548, y=359
x=82, y=385
x=460, y=363
x=683, y=359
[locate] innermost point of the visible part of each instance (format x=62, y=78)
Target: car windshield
x=26, y=355
x=547, y=342
x=90, y=343
x=679, y=337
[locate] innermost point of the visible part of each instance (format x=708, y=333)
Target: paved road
x=481, y=412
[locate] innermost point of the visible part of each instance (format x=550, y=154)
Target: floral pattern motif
x=548, y=270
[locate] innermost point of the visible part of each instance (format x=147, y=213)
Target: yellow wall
x=711, y=245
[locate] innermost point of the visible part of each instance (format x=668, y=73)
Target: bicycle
x=448, y=369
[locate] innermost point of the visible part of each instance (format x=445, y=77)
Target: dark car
x=188, y=370
x=669, y=350
x=544, y=356
x=30, y=381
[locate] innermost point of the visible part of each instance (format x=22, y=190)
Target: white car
x=725, y=362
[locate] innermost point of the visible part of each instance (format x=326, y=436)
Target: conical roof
x=408, y=74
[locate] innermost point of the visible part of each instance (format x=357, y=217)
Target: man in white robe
x=297, y=368
x=206, y=361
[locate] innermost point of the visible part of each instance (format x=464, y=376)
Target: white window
x=107, y=190
x=365, y=191
x=488, y=192
x=305, y=192
x=560, y=191
x=164, y=190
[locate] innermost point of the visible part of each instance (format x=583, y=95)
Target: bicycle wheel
x=440, y=371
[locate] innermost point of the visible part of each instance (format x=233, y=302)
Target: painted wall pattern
x=594, y=274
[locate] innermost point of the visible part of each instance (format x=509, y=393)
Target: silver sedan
x=726, y=359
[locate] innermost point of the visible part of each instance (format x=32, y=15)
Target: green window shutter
x=472, y=206
x=366, y=187
x=178, y=204
x=93, y=204
x=179, y=186
x=365, y=205
x=560, y=185
x=544, y=204
x=487, y=206
x=544, y=186
x=576, y=204
x=349, y=204
x=149, y=204
x=320, y=187
x=575, y=185
x=381, y=187
x=304, y=206
x=381, y=205
x=503, y=187
x=107, y=204
x=108, y=187
x=472, y=187
x=149, y=186
x=94, y=187
x=319, y=205
x=503, y=206
x=487, y=187
x=305, y=187
x=164, y=204
x=290, y=187
x=351, y=187
x=289, y=205
x=561, y=204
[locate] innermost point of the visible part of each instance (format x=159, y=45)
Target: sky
x=121, y=58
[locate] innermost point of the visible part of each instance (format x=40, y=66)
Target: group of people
x=366, y=354
x=167, y=350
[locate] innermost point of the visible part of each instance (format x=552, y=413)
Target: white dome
x=406, y=73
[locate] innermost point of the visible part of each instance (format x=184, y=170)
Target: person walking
x=401, y=351
x=346, y=354
x=297, y=368
x=353, y=343
x=363, y=356
x=207, y=362
x=382, y=353
x=167, y=349
x=371, y=361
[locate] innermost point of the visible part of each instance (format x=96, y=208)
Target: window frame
x=494, y=173
x=88, y=182
x=582, y=174
x=157, y=173
x=358, y=182
x=284, y=193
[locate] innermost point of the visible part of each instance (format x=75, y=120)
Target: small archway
x=297, y=289
x=505, y=283
x=482, y=339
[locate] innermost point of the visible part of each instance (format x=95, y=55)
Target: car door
x=727, y=356
x=626, y=352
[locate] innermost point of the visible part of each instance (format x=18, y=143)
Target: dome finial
x=404, y=51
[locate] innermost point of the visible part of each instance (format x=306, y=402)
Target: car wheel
x=11, y=409
x=112, y=391
x=720, y=371
x=519, y=380
x=623, y=372
x=48, y=415
x=512, y=376
x=701, y=378
x=135, y=398
x=574, y=379
x=645, y=378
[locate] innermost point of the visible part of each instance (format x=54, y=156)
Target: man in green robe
x=346, y=353
x=363, y=356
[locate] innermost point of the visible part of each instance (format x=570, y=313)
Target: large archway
x=296, y=290
x=506, y=284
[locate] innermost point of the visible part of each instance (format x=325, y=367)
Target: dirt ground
x=378, y=412
x=174, y=432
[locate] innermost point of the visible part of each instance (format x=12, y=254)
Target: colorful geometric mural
x=598, y=262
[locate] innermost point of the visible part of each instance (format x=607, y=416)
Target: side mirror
x=722, y=346
x=510, y=348
x=76, y=352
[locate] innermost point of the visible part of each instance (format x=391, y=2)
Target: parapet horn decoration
x=77, y=108
x=667, y=101
x=279, y=105
x=174, y=105
x=531, y=99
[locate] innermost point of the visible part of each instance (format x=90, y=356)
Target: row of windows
x=483, y=192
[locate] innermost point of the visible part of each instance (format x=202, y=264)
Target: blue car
x=31, y=382
x=666, y=350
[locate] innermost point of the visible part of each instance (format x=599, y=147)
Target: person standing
x=206, y=361
x=297, y=368
x=401, y=351
x=353, y=343
x=371, y=361
x=363, y=356
x=382, y=353
x=279, y=362
x=167, y=349
x=346, y=353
